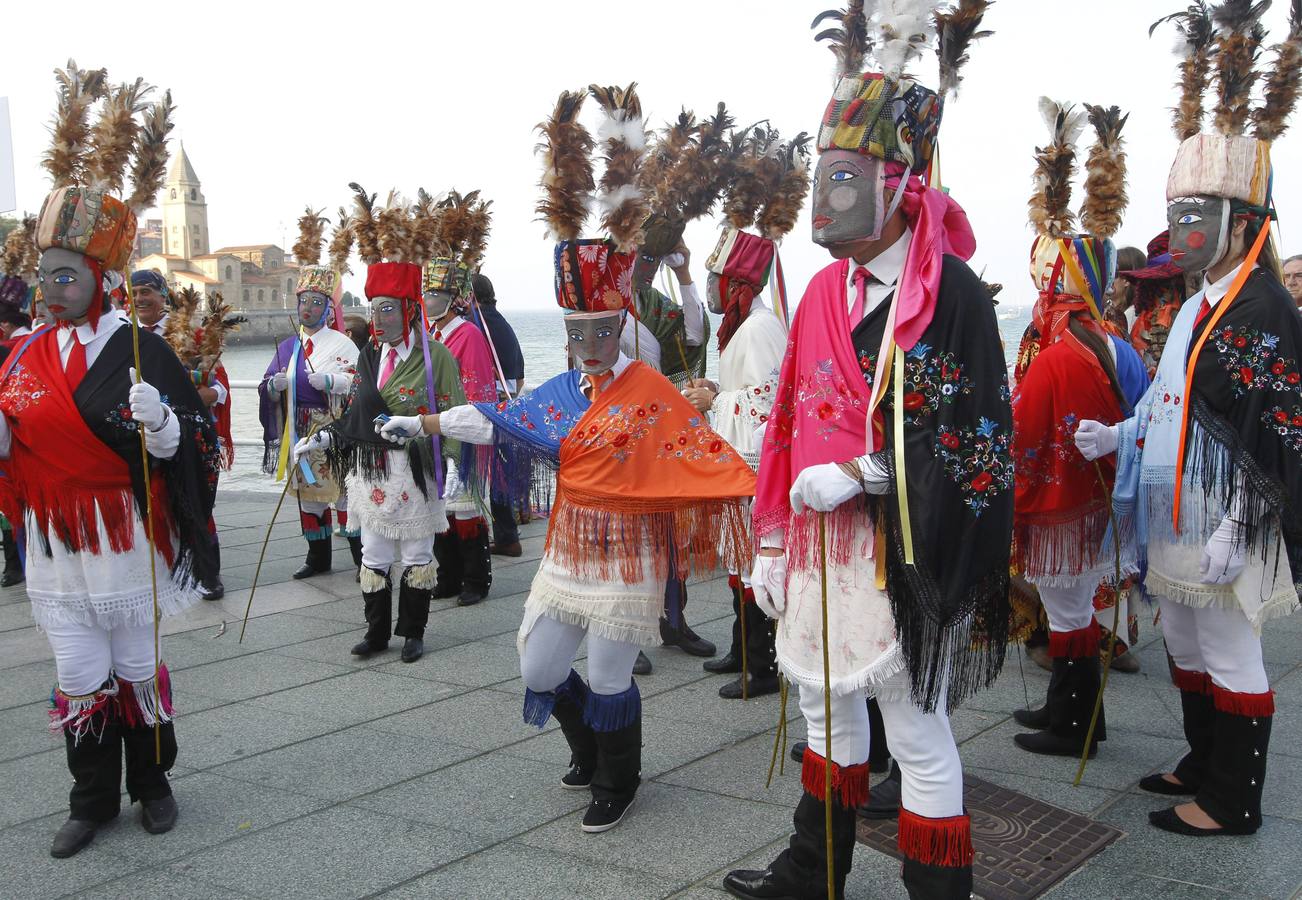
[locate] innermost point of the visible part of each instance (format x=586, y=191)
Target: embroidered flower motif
x=377, y=496
x=1249, y=356
x=977, y=460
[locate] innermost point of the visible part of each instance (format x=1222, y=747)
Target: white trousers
x=380, y=552
x=1069, y=608
x=86, y=655
x=316, y=507
x=921, y=743
x=548, y=657
x=1217, y=641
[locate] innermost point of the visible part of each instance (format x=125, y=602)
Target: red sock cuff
x=1191, y=681
x=1238, y=704
x=1076, y=644
x=936, y=842
x=849, y=783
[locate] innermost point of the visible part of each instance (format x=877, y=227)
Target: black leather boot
x=616, y=777
x=1199, y=731
x=377, y=600
x=413, y=611
x=884, y=798
x=582, y=740
x=682, y=636
x=1038, y=717
x=761, y=659
x=95, y=762
x=13, y=573
x=730, y=662
x=320, y=554
x=447, y=553
x=476, y=567
x=925, y=882
x=800, y=871
x=147, y=777
x=1071, y=705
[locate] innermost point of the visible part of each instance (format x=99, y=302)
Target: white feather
x=1073, y=125
x=615, y=127
x=906, y=28
x=622, y=194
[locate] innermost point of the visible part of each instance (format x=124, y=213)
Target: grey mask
x=67, y=284
x=594, y=343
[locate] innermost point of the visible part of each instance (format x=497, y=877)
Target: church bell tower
x=185, y=212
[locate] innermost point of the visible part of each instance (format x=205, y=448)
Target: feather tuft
x=567, y=179
x=341, y=243
x=783, y=204
x=70, y=133
x=393, y=229
x=849, y=42
x=364, y=225
x=149, y=159
x=906, y=28
x=1196, y=31
x=1279, y=97
x=623, y=142
x=114, y=136
x=1239, y=34
x=1055, y=164
x=211, y=338
x=19, y=257
x=311, y=232
x=1105, y=173
x=957, y=27
x=179, y=331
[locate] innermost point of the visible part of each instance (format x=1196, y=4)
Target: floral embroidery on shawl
x=978, y=460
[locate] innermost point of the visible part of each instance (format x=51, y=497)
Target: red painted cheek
x=1196, y=240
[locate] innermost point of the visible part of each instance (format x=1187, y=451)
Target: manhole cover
x=1022, y=846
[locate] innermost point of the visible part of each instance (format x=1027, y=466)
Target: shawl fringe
x=519, y=470
x=1060, y=545
x=345, y=457
x=849, y=783
x=840, y=528
x=936, y=842
x=873, y=679
x=569, y=609
x=1083, y=643
x=1239, y=704
x=611, y=712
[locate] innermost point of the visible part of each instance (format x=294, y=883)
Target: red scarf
x=64, y=489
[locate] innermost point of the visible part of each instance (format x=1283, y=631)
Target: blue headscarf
x=150, y=278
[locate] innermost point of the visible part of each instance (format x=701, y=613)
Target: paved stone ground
x=305, y=773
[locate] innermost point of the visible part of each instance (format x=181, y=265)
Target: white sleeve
x=164, y=442
x=6, y=437
x=341, y=382
x=693, y=315
x=466, y=423
x=222, y=394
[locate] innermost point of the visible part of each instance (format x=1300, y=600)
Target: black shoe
x=307, y=570
x=1046, y=743
x=577, y=778
x=757, y=686
x=883, y=797
x=213, y=592
x=603, y=815
x=445, y=592
x=1032, y=718
x=12, y=577
x=1167, y=820
x=798, y=751
x=470, y=598
x=643, y=664
x=686, y=640
x=366, y=648
x=72, y=837
x=724, y=665
x=753, y=884
x=1156, y=784
x=513, y=549
x=158, y=816
x=412, y=649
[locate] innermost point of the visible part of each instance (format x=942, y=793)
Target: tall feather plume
x=1105, y=173
x=1055, y=164
x=114, y=136
x=1238, y=42
x=454, y=224
x=567, y=180
x=19, y=256
x=364, y=225
x=783, y=205
x=658, y=164
x=623, y=205
x=956, y=28
x=472, y=257
x=149, y=159
x=906, y=28
x=311, y=231
x=747, y=191
x=70, y=134
x=849, y=42
x=179, y=330
x=697, y=179
x=424, y=226
x=341, y=243
x=1194, y=25
x=211, y=338
x=393, y=227
x=1280, y=95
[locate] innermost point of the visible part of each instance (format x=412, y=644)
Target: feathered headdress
x=906, y=28
x=623, y=142
x=341, y=243
x=849, y=42
x=1055, y=164
x=1105, y=173
x=1196, y=33
x=365, y=228
x=956, y=28
x=789, y=189
x=1280, y=94
x=210, y=338
x=18, y=262
x=567, y=180
x=311, y=232
x=387, y=242
x=179, y=331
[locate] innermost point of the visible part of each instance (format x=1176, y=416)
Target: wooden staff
x=827, y=711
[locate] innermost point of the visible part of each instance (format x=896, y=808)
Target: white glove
x=451, y=483
x=278, y=382
x=146, y=405
x=1225, y=555
x=768, y=579
x=822, y=488
x=399, y=429
x=318, y=441
x=319, y=380
x=1094, y=439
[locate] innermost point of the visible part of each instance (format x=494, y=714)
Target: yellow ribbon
x=901, y=483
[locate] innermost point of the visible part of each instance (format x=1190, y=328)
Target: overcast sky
x=283, y=104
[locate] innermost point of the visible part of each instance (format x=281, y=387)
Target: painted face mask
x=645, y=268
x=387, y=320
x=849, y=201
x=713, y=294
x=1200, y=231
x=437, y=304
x=594, y=340
x=312, y=307
x=68, y=284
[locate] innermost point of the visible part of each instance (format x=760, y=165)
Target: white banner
x=8, y=192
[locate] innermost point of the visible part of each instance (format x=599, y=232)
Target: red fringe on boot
x=1078, y=644
x=849, y=783
x=1192, y=682
x=1237, y=704
x=936, y=842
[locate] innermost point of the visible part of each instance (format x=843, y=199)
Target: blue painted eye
x=576, y=337
x=841, y=175
x=65, y=278
x=1188, y=219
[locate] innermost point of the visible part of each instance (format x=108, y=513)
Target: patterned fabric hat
x=743, y=256
x=393, y=279
x=445, y=274
x=1233, y=166
x=87, y=221
x=1086, y=269
x=591, y=276
x=322, y=279
x=874, y=114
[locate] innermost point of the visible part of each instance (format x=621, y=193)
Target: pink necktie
x=390, y=362
x=861, y=278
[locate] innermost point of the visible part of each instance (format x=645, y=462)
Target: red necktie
x=861, y=278
x=75, y=370
x=1203, y=309
x=307, y=348
x=390, y=363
